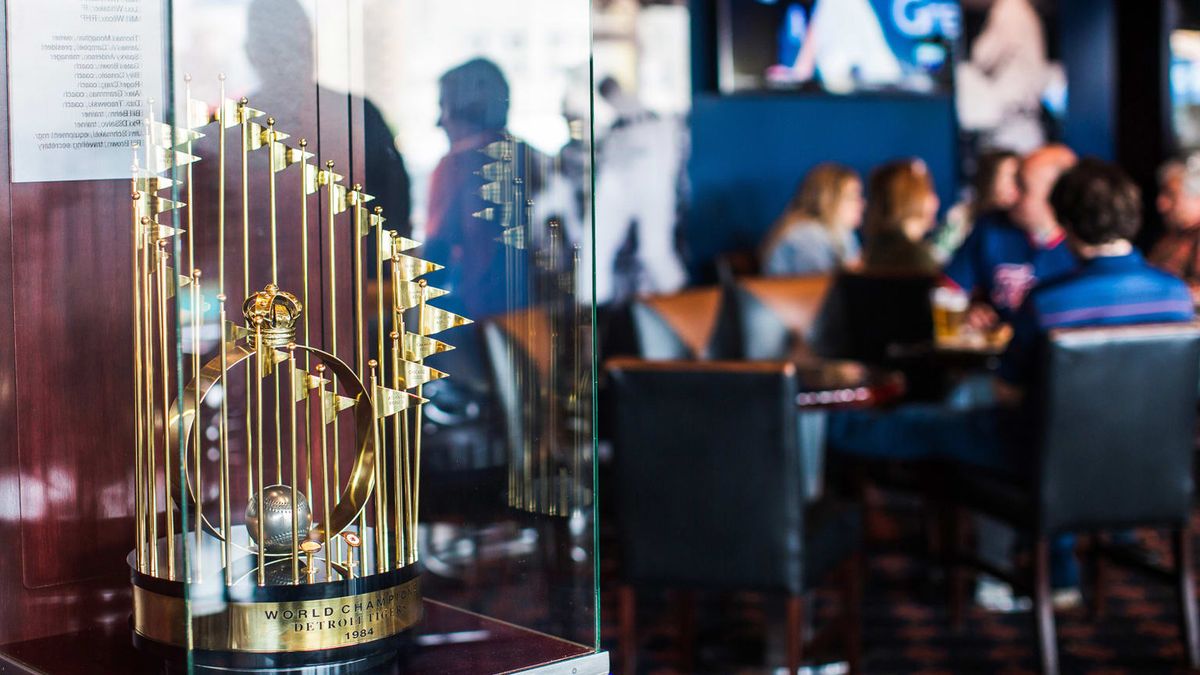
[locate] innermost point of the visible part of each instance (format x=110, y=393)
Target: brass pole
x=405, y=449
x=226, y=495
x=274, y=280
x=360, y=321
x=381, y=537
x=166, y=392
x=197, y=321
x=416, y=512
x=262, y=548
x=308, y=483
x=295, y=501
x=139, y=492
x=243, y=121
x=329, y=535
x=397, y=454
x=148, y=395
x=187, y=106
x=333, y=332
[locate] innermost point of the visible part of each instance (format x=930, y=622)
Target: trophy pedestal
x=326, y=625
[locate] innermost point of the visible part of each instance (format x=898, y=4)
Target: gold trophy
x=302, y=562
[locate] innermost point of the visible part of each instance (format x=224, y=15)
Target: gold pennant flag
x=492, y=192
x=266, y=366
x=181, y=281
x=409, y=294
x=358, y=198
x=167, y=136
x=340, y=201
x=488, y=214
x=436, y=320
x=286, y=156
x=156, y=231
x=165, y=159
x=410, y=268
x=376, y=220
x=198, y=114
x=325, y=177
x=234, y=332
x=256, y=136
x=312, y=181
x=392, y=244
x=502, y=150
x=420, y=347
x=416, y=374
x=150, y=204
x=514, y=237
x=388, y=402
x=145, y=182
x=493, y=171
x=229, y=116
x=302, y=382
x=333, y=403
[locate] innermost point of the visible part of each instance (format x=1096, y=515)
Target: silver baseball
x=277, y=522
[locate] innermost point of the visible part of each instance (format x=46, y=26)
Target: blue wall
x=748, y=153
x=1087, y=30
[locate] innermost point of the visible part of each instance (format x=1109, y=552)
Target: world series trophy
x=323, y=567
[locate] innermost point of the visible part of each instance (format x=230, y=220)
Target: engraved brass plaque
x=310, y=625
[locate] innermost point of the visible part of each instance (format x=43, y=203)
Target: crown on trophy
x=272, y=313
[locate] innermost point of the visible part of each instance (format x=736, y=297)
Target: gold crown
x=272, y=313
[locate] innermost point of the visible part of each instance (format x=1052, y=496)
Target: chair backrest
x=684, y=325
x=772, y=315
x=865, y=314
x=519, y=353
x=1117, y=426
x=707, y=477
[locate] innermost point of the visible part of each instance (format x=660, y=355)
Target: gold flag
x=146, y=182
x=409, y=294
x=492, y=192
x=167, y=136
x=273, y=357
x=419, y=347
x=493, y=171
x=181, y=281
x=340, y=202
x=234, y=332
x=325, y=177
x=376, y=220
x=150, y=204
x=302, y=382
x=256, y=136
x=436, y=320
x=410, y=268
x=198, y=113
x=312, y=181
x=416, y=374
x=486, y=214
x=286, y=156
x=333, y=403
x=514, y=237
x=359, y=198
x=164, y=159
x=388, y=402
x=502, y=150
x=392, y=244
x=156, y=231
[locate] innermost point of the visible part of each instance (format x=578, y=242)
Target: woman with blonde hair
x=815, y=234
x=901, y=210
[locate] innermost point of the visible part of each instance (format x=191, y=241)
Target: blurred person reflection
x=1100, y=210
x=902, y=209
x=280, y=49
x=993, y=188
x=816, y=232
x=639, y=163
x=1008, y=252
x=1178, y=252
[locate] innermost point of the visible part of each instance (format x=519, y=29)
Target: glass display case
x=306, y=289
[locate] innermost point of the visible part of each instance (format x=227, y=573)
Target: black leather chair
x=775, y=317
x=867, y=315
x=1113, y=449
x=684, y=325
x=709, y=484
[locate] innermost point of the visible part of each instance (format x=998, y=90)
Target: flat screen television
x=837, y=46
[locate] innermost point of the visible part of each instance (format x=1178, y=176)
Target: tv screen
x=837, y=46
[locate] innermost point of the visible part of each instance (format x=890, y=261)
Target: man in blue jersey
x=1099, y=208
x=1007, y=253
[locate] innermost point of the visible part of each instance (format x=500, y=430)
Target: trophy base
x=340, y=623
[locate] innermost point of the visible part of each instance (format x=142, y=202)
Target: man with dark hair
x=1098, y=208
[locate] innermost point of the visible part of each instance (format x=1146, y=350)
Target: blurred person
x=1000, y=86
x=1007, y=253
x=993, y=188
x=902, y=209
x=1178, y=252
x=842, y=43
x=639, y=166
x=816, y=232
x=1099, y=208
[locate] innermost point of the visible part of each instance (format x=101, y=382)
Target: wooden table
x=449, y=641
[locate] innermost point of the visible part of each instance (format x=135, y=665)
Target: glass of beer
x=949, y=313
